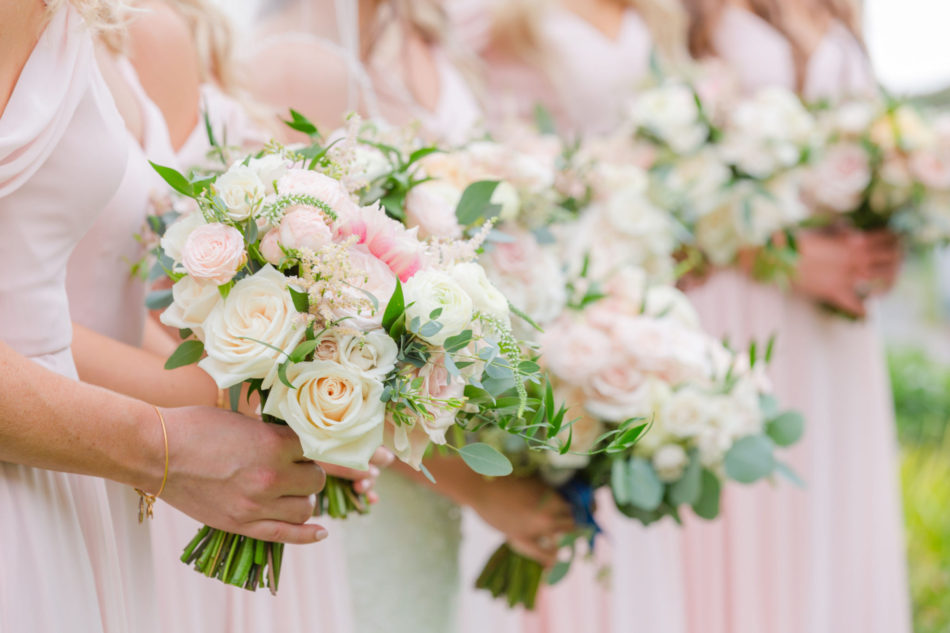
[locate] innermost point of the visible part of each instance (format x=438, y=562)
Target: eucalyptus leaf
x=750, y=459
x=786, y=429
x=707, y=506
x=458, y=342
x=475, y=205
x=159, y=299
x=688, y=489
x=620, y=481
x=646, y=489
x=558, y=572
x=485, y=460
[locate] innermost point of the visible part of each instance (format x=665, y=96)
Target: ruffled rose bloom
x=485, y=296
x=325, y=189
x=931, y=168
x=300, y=228
x=574, y=350
x=431, y=207
x=193, y=302
x=621, y=392
x=500, y=162
x=335, y=411
x=840, y=178
x=409, y=442
x=214, y=252
x=241, y=190
x=250, y=333
x=669, y=461
x=387, y=239
x=269, y=169
x=430, y=290
x=173, y=241
x=370, y=276
x=686, y=414
x=662, y=348
x=372, y=354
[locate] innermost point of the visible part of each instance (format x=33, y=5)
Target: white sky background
x=909, y=42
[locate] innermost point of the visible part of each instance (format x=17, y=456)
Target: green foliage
x=475, y=206
x=921, y=389
x=485, y=460
x=187, y=353
x=750, y=459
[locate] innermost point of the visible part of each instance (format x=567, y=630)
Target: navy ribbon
x=580, y=495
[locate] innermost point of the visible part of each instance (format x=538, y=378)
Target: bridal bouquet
x=882, y=164
x=350, y=327
x=728, y=167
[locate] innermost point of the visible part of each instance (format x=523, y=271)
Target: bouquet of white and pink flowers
x=882, y=164
x=348, y=326
x=728, y=167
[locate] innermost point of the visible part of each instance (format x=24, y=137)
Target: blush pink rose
x=214, y=252
x=574, y=350
x=932, y=169
x=326, y=189
x=370, y=276
x=386, y=239
x=302, y=227
x=838, y=181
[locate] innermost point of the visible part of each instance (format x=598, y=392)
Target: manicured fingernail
x=373, y=471
x=320, y=535
x=366, y=484
x=372, y=497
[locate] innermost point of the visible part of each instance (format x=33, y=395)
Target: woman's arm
x=224, y=469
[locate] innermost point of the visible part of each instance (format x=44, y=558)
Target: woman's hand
x=363, y=480
x=531, y=514
x=844, y=267
x=240, y=475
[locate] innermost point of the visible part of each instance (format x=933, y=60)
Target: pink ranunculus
x=326, y=189
x=838, y=181
x=214, y=252
x=386, y=239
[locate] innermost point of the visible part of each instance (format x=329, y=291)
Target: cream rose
x=173, y=242
x=431, y=207
x=335, y=411
x=242, y=331
x=241, y=190
x=486, y=298
x=686, y=414
x=372, y=354
x=193, y=302
x=429, y=290
x=839, y=179
x=669, y=461
x=214, y=252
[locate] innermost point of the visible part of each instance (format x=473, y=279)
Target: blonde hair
x=106, y=19
x=516, y=28
x=704, y=16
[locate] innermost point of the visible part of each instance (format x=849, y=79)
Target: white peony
x=431, y=290
x=241, y=190
x=334, y=410
x=193, y=302
x=242, y=331
x=486, y=298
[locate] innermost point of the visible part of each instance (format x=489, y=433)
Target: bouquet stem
x=234, y=559
x=338, y=499
x=516, y=577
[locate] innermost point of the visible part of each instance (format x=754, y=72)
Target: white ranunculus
x=373, y=353
x=241, y=190
x=429, y=290
x=193, y=302
x=242, y=331
x=269, y=169
x=334, y=410
x=173, y=241
x=686, y=414
x=485, y=296
x=669, y=461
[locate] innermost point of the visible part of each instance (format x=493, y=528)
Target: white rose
x=666, y=302
x=486, y=298
x=373, y=354
x=258, y=307
x=686, y=414
x=431, y=206
x=670, y=112
x=429, y=290
x=669, y=462
x=193, y=302
x=173, y=242
x=241, y=190
x=335, y=411
x=269, y=169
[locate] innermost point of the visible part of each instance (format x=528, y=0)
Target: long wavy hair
x=704, y=16
x=107, y=19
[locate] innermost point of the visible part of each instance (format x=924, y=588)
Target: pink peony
x=324, y=188
x=301, y=228
x=214, y=252
x=386, y=239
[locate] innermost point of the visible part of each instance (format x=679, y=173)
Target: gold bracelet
x=146, y=500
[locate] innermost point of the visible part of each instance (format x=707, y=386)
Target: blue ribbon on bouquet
x=580, y=495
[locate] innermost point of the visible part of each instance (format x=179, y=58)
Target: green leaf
x=175, y=179
x=769, y=405
x=627, y=438
x=282, y=374
x=303, y=350
x=620, y=481
x=786, y=429
x=234, y=395
x=646, y=489
x=750, y=459
x=485, y=460
x=707, y=506
x=458, y=342
x=421, y=153
x=558, y=572
x=690, y=486
x=786, y=471
x=394, y=309
x=543, y=120
x=425, y=471
x=475, y=204
x=301, y=123
x=430, y=329
x=159, y=299
x=301, y=299
x=187, y=353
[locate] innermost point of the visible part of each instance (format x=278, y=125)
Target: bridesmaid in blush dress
x=582, y=61
x=828, y=557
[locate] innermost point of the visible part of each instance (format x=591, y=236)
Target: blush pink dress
x=633, y=581
x=829, y=557
x=63, y=154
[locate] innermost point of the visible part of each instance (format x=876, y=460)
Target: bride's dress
x=63, y=154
